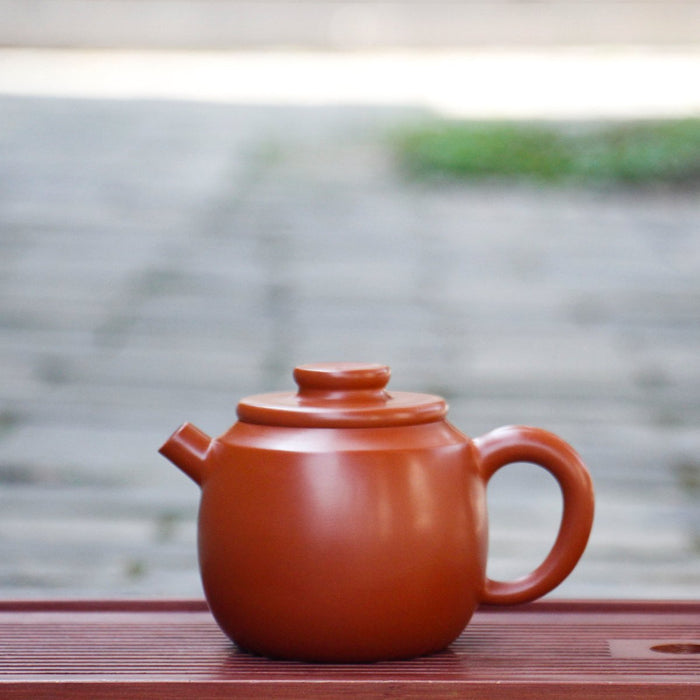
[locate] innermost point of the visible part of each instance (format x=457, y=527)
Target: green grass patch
x=633, y=153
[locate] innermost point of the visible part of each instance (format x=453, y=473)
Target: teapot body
x=343, y=544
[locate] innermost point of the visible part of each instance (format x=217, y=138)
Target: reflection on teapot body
x=345, y=523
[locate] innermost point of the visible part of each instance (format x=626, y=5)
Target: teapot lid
x=341, y=395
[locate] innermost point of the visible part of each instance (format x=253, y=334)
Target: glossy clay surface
x=346, y=523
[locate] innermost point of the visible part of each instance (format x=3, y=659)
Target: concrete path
x=161, y=259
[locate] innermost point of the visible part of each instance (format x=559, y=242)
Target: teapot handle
x=525, y=444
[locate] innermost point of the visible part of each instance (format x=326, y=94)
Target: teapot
x=347, y=523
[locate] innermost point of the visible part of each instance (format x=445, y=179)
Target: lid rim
x=288, y=410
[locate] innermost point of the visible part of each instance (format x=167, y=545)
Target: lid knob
x=341, y=376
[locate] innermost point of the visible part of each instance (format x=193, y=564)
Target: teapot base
x=336, y=656
x=350, y=639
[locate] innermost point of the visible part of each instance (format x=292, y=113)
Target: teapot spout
x=187, y=448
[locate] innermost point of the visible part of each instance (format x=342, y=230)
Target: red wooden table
x=166, y=649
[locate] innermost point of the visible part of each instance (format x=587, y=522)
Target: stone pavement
x=159, y=260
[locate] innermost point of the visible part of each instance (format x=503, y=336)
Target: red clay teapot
x=347, y=523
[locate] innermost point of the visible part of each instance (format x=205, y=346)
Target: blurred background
x=197, y=195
